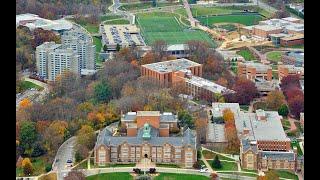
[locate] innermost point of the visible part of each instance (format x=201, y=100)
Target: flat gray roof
x=171, y=66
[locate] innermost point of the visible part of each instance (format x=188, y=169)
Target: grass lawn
x=274, y=56
x=145, y=5
x=287, y=174
x=226, y=166
x=111, y=176
x=118, y=21
x=25, y=85
x=165, y=26
x=167, y=165
x=244, y=107
x=211, y=155
x=92, y=28
x=202, y=11
x=173, y=176
x=97, y=42
x=285, y=122
x=241, y=174
x=296, y=144
x=246, y=54
x=38, y=167
x=244, y=19
x=103, y=18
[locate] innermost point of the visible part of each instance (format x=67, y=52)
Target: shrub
x=48, y=167
x=283, y=110
x=216, y=163
x=197, y=165
x=143, y=177
x=37, y=150
x=152, y=170
x=137, y=170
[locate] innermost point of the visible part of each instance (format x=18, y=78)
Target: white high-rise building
x=53, y=59
x=82, y=44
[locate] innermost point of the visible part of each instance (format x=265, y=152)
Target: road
x=33, y=95
x=64, y=153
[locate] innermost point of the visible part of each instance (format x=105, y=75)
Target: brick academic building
x=147, y=137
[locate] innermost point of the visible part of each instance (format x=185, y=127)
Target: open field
x=111, y=176
x=144, y=5
x=286, y=174
x=164, y=26
x=203, y=11
x=226, y=166
x=246, y=54
x=245, y=19
x=274, y=56
x=25, y=85
x=103, y=18
x=117, y=21
x=172, y=176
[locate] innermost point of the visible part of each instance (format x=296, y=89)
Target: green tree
x=105, y=47
x=283, y=110
x=216, y=163
x=118, y=47
x=28, y=136
x=185, y=119
x=102, y=92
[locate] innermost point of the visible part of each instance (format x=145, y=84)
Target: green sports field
x=245, y=19
x=167, y=27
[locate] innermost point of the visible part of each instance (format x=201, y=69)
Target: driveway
x=64, y=153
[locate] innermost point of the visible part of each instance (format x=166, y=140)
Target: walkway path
x=293, y=126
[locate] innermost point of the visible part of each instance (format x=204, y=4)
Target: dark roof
x=278, y=155
x=247, y=146
x=105, y=137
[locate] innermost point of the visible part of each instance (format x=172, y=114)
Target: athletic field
x=245, y=19
x=166, y=27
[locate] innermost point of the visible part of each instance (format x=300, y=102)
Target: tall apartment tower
x=82, y=44
x=53, y=59
x=42, y=52
x=62, y=60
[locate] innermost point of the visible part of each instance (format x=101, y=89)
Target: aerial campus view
x=160, y=90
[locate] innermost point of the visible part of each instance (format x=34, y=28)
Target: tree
x=159, y=48
x=214, y=176
x=283, y=110
x=246, y=91
x=289, y=82
x=102, y=92
x=281, y=14
x=27, y=166
x=216, y=163
x=54, y=136
x=196, y=165
x=86, y=136
x=228, y=116
x=272, y=175
x=75, y=175
x=28, y=136
x=148, y=58
x=185, y=119
x=296, y=105
x=118, y=47
x=24, y=103
x=105, y=48
x=41, y=36
x=274, y=100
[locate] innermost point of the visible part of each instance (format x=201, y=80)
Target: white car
x=204, y=170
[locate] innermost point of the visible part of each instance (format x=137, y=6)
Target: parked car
x=204, y=170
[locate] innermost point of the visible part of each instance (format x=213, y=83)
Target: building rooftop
x=267, y=27
x=278, y=155
x=148, y=113
x=230, y=55
x=265, y=85
x=208, y=85
x=293, y=68
x=49, y=45
x=269, y=129
x=293, y=37
x=177, y=47
x=105, y=137
x=258, y=66
x=164, y=117
x=171, y=66
x=291, y=19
